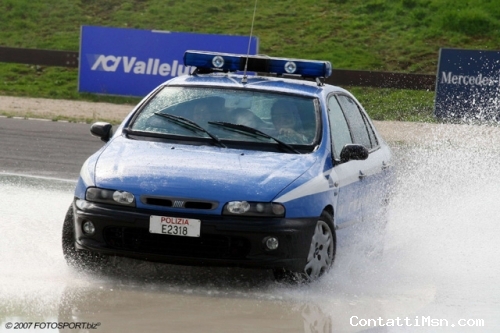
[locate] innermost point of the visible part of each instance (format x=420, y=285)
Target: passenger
x=284, y=115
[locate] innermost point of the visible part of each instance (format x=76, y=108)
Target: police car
x=224, y=168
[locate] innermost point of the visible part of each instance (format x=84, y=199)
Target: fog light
x=88, y=228
x=271, y=243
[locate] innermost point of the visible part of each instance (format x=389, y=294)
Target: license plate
x=176, y=226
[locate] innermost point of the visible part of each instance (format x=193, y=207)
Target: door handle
x=361, y=175
x=385, y=166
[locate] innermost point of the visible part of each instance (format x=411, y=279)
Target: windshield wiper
x=190, y=124
x=251, y=130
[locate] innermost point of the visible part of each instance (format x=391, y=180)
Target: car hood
x=204, y=172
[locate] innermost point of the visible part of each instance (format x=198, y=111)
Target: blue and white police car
x=224, y=168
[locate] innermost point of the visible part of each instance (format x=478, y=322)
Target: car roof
x=269, y=83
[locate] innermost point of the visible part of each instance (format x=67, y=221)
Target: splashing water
x=439, y=259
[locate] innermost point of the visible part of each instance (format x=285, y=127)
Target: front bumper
x=223, y=241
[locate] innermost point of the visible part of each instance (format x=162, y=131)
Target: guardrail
x=39, y=57
x=341, y=77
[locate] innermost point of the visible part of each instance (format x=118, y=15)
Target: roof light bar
x=236, y=62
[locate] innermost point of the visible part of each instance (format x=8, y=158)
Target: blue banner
x=468, y=85
x=131, y=62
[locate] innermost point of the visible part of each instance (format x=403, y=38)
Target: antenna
x=244, y=80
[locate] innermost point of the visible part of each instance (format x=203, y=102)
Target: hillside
x=391, y=35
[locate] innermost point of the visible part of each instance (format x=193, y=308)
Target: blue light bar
x=236, y=62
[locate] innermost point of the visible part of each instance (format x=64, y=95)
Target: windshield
x=288, y=118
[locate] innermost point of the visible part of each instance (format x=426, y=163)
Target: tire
x=320, y=256
x=78, y=259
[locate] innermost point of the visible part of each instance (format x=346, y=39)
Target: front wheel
x=321, y=253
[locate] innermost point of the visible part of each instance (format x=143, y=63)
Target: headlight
x=245, y=208
x=112, y=197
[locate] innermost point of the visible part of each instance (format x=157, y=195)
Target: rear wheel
x=321, y=253
x=78, y=259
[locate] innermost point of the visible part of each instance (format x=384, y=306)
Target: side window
x=339, y=130
x=356, y=122
x=371, y=133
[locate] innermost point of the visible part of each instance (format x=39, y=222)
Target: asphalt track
x=45, y=148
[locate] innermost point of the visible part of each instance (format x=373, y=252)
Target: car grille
x=206, y=246
x=178, y=203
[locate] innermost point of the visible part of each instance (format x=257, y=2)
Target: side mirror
x=102, y=130
x=353, y=152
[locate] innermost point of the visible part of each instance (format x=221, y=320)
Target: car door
x=347, y=181
x=370, y=171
